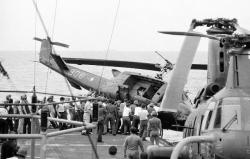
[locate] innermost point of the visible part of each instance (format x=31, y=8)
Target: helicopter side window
x=208, y=116
x=217, y=122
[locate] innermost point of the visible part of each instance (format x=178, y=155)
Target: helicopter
x=218, y=127
x=124, y=85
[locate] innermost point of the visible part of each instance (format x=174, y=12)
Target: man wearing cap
x=154, y=127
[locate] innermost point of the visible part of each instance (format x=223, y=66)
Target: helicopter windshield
x=231, y=115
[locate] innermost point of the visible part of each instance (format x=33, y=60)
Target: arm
x=161, y=131
x=125, y=148
x=141, y=145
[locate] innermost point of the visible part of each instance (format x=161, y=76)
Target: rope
x=53, y=31
x=53, y=28
x=109, y=43
x=35, y=51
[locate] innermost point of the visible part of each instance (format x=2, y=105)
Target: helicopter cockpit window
x=217, y=122
x=231, y=117
x=208, y=116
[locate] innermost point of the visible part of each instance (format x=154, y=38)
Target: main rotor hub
x=217, y=26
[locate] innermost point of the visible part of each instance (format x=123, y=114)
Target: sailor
x=155, y=128
x=9, y=148
x=26, y=110
x=52, y=111
x=62, y=114
x=9, y=108
x=125, y=118
x=143, y=116
x=136, y=119
x=100, y=123
x=87, y=114
x=132, y=144
x=119, y=116
x=111, y=115
x=3, y=122
x=16, y=120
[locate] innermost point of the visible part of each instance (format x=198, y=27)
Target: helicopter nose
x=235, y=145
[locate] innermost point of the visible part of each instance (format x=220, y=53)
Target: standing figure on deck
x=143, y=116
x=111, y=115
x=155, y=128
x=100, y=123
x=126, y=119
x=62, y=114
x=26, y=110
x=136, y=119
x=132, y=144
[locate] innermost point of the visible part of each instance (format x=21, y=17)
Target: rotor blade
x=174, y=94
x=242, y=30
x=189, y=34
x=100, y=62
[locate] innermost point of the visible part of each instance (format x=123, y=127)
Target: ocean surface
x=25, y=72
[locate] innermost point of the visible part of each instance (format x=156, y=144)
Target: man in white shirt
x=136, y=119
x=126, y=119
x=3, y=122
x=143, y=115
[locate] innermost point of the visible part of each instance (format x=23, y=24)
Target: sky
x=87, y=24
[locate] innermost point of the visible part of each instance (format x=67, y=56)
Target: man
x=136, y=119
x=87, y=114
x=9, y=148
x=21, y=154
x=111, y=115
x=3, y=121
x=132, y=144
x=143, y=116
x=125, y=118
x=100, y=123
x=9, y=108
x=62, y=114
x=52, y=111
x=154, y=127
x=26, y=110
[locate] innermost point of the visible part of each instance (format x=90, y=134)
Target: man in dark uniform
x=111, y=115
x=100, y=123
x=26, y=110
x=9, y=148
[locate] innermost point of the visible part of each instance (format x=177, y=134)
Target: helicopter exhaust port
x=211, y=90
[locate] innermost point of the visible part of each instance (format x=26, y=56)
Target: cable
x=35, y=50
x=109, y=43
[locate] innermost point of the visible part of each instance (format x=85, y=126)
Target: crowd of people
x=114, y=116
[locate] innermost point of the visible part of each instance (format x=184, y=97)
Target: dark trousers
x=136, y=121
x=25, y=124
x=16, y=122
x=126, y=123
x=110, y=118
x=3, y=126
x=143, y=128
x=63, y=115
x=100, y=129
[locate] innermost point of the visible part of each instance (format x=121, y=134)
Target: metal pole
x=192, y=139
x=93, y=141
x=43, y=146
x=32, y=151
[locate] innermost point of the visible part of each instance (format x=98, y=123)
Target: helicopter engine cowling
x=211, y=89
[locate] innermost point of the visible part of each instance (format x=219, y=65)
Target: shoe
x=99, y=141
x=114, y=134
